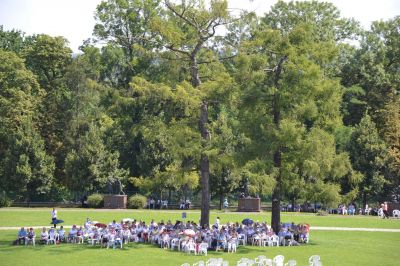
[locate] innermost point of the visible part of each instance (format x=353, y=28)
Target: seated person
x=72, y=234
x=118, y=239
x=126, y=235
x=52, y=234
x=79, y=234
x=61, y=234
x=165, y=239
x=30, y=236
x=105, y=237
x=44, y=236
x=21, y=236
x=221, y=240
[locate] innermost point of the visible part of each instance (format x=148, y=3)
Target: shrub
x=5, y=201
x=137, y=201
x=95, y=201
x=322, y=213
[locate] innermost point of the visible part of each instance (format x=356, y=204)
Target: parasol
x=189, y=232
x=247, y=221
x=101, y=225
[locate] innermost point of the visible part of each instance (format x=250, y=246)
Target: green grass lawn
x=41, y=216
x=334, y=247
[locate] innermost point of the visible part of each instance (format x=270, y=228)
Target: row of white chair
x=314, y=260
x=278, y=260
x=209, y=262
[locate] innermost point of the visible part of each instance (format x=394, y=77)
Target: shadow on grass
x=66, y=248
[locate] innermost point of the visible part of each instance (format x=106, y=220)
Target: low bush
x=322, y=213
x=137, y=201
x=95, y=201
x=5, y=201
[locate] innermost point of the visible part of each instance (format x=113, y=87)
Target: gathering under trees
x=175, y=99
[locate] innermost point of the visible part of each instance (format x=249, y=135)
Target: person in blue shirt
x=21, y=236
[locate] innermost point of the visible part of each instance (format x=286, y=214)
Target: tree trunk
x=194, y=72
x=276, y=112
x=221, y=198
x=293, y=203
x=205, y=191
x=204, y=168
x=276, y=196
x=364, y=199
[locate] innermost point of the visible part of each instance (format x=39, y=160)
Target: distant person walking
x=54, y=216
x=385, y=210
x=226, y=204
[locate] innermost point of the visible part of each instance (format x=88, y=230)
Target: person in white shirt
x=54, y=216
x=61, y=234
x=216, y=224
x=44, y=235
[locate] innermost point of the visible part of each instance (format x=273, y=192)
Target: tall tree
x=367, y=152
x=189, y=28
x=26, y=171
x=290, y=100
x=48, y=58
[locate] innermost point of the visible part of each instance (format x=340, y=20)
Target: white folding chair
x=30, y=240
x=175, y=243
x=291, y=263
x=242, y=239
x=278, y=260
x=203, y=248
x=260, y=260
x=51, y=239
x=274, y=240
x=199, y=263
x=314, y=260
x=191, y=247
x=232, y=246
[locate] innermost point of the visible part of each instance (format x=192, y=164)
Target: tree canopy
x=184, y=99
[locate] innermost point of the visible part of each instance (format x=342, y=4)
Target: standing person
x=385, y=210
x=226, y=204
x=216, y=224
x=54, y=217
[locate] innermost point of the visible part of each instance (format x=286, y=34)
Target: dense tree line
x=185, y=96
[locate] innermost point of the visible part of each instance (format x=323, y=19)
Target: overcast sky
x=74, y=20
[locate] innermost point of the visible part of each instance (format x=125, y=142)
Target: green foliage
x=322, y=213
x=277, y=103
x=367, y=152
x=95, y=201
x=12, y=41
x=4, y=200
x=48, y=58
x=137, y=201
x=25, y=168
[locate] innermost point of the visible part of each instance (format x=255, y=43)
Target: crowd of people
x=351, y=209
x=183, y=236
